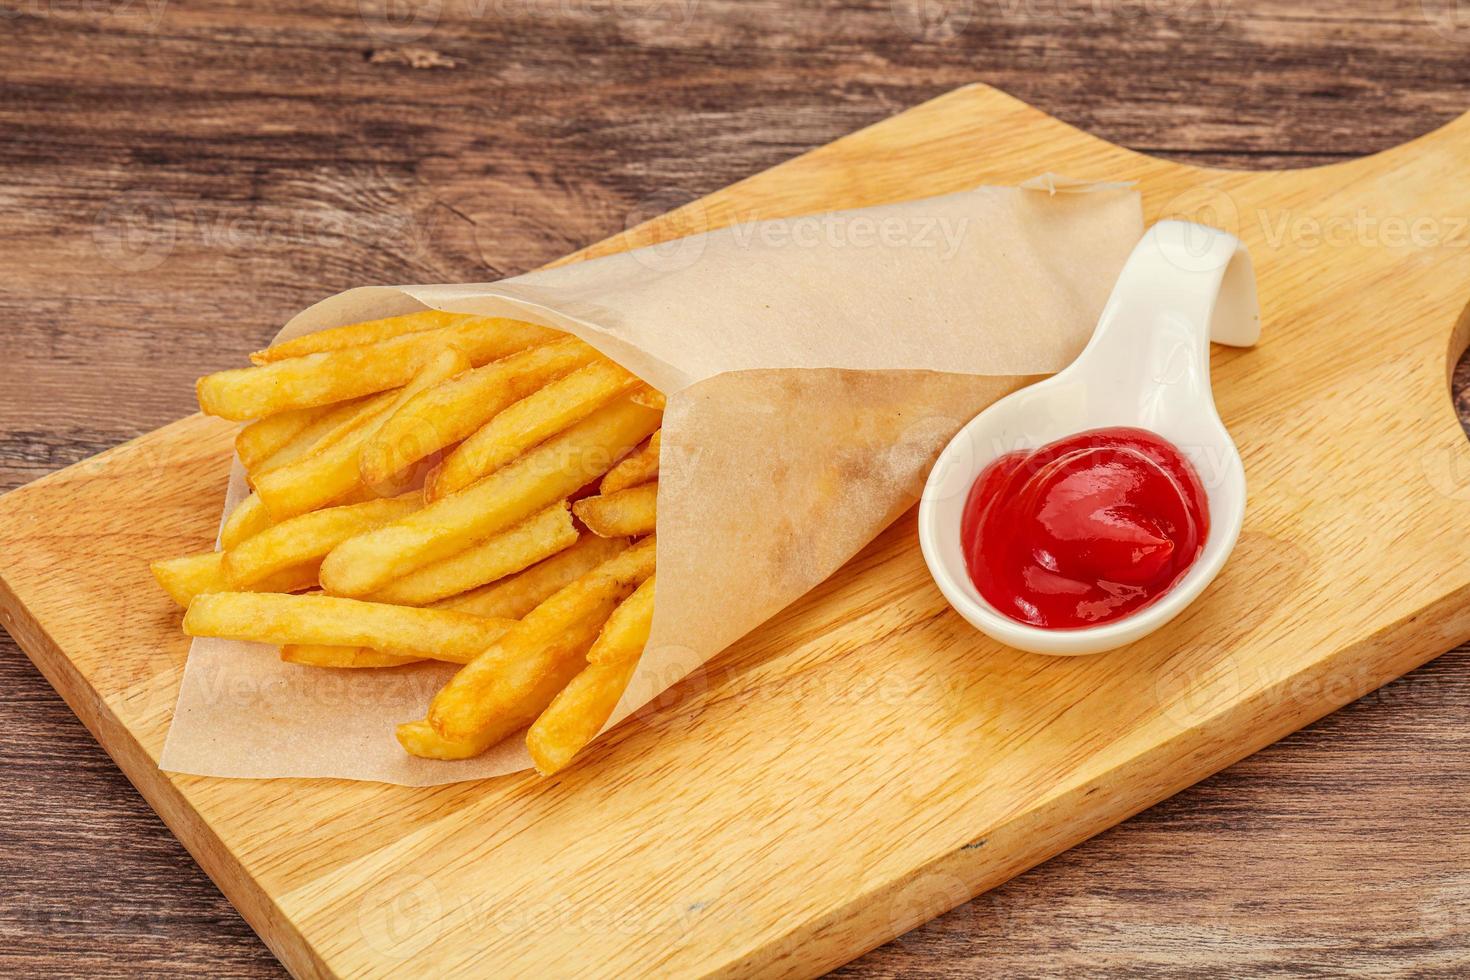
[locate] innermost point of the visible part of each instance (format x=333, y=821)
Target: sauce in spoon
x=1084, y=530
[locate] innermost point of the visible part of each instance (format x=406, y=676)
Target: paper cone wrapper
x=814, y=367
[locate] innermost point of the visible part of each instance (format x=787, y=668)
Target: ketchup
x=1084, y=530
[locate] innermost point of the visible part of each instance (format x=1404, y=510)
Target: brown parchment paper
x=814, y=368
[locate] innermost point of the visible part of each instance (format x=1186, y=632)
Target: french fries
x=348, y=372
x=340, y=421
x=578, y=713
x=445, y=413
x=626, y=631
x=314, y=655
x=629, y=512
x=539, y=536
x=640, y=467
x=514, y=680
x=247, y=520
x=259, y=617
x=527, y=422
x=260, y=439
x=328, y=655
x=359, y=334
x=509, y=598
x=194, y=575
x=651, y=398
x=309, y=537
x=477, y=562
x=328, y=424
x=419, y=738
x=548, y=473
x=326, y=474
x=513, y=597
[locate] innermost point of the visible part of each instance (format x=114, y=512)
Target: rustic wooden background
x=176, y=178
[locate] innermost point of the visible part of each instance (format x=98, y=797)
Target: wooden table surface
x=178, y=178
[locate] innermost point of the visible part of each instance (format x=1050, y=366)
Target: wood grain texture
x=1343, y=580
x=204, y=136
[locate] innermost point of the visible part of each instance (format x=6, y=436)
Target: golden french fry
x=513, y=597
x=257, y=440
x=439, y=634
x=546, y=474
x=509, y=598
x=650, y=397
x=184, y=578
x=310, y=536
x=513, y=681
x=588, y=700
x=359, y=334
x=531, y=420
x=195, y=575
x=639, y=467
x=629, y=512
x=627, y=628
x=539, y=536
x=529, y=675
x=418, y=738
x=247, y=520
x=314, y=655
x=342, y=421
x=329, y=424
x=444, y=414
x=337, y=375
x=327, y=474
x=338, y=421
x=577, y=714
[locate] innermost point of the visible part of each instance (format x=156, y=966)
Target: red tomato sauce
x=1084, y=530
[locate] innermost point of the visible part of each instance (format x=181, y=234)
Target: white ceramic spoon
x=1148, y=366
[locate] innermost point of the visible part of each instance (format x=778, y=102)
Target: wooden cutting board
x=866, y=760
